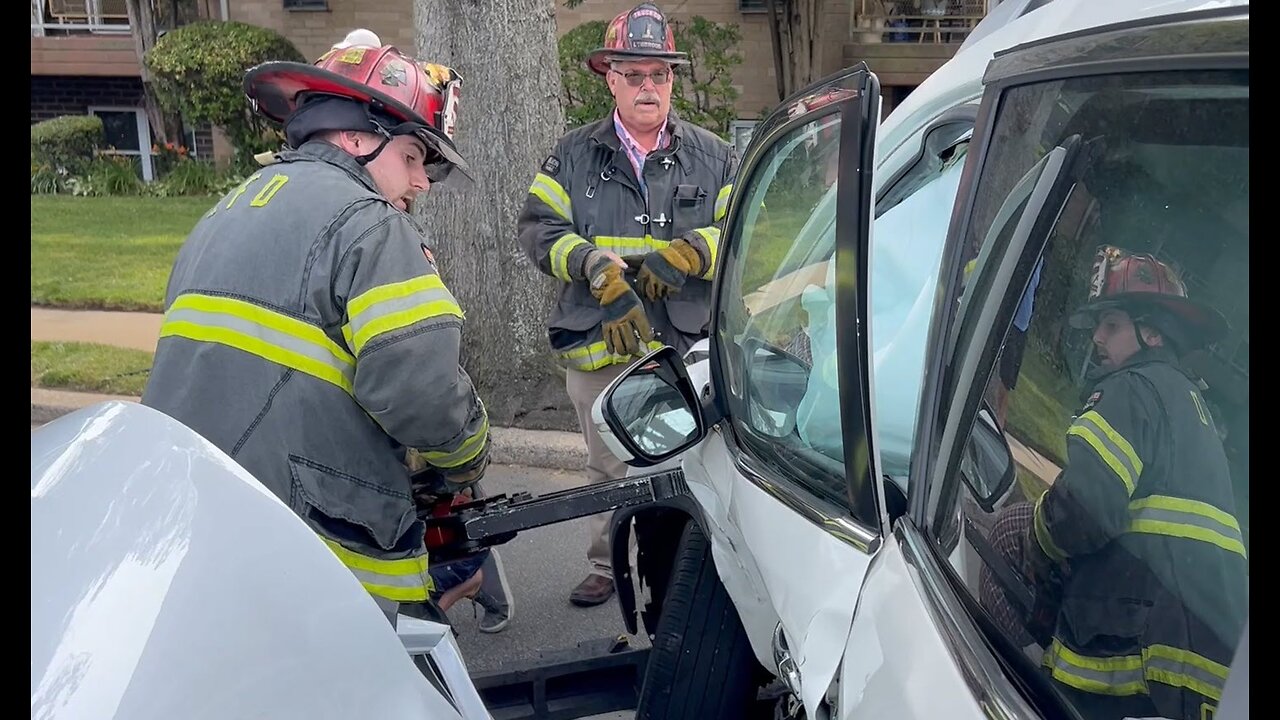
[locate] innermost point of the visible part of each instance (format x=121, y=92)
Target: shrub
x=584, y=95
x=704, y=93
x=66, y=143
x=193, y=177
x=45, y=180
x=198, y=70
x=108, y=175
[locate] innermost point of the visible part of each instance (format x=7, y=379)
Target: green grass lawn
x=1040, y=408
x=108, y=253
x=89, y=367
x=772, y=239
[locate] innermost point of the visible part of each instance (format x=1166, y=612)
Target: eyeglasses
x=636, y=79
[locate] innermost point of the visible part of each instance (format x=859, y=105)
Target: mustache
x=646, y=97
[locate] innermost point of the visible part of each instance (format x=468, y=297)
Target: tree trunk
x=775, y=40
x=510, y=118
x=802, y=41
x=142, y=25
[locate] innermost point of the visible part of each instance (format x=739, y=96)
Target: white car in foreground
x=166, y=582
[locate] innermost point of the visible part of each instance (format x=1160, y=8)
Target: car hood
x=167, y=582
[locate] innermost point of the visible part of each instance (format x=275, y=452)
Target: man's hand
x=626, y=328
x=664, y=271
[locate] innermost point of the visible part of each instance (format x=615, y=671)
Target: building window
x=740, y=134
x=126, y=132
x=306, y=4
x=753, y=6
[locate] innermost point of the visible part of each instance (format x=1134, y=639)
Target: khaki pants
x=583, y=388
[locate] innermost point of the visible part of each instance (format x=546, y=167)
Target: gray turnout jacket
x=308, y=335
x=586, y=196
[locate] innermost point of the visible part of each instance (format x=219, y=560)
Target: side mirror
x=651, y=412
x=987, y=463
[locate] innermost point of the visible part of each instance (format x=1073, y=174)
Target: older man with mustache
x=625, y=213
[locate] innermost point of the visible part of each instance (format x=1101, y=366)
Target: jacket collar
x=322, y=151
x=605, y=134
x=1145, y=356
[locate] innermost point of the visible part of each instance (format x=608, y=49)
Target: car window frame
x=859, y=527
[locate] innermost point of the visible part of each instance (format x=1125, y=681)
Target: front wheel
x=701, y=665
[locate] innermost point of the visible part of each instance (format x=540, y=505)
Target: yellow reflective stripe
x=597, y=355
x=1183, y=668
x=465, y=453
x=397, y=305
x=559, y=255
x=1111, y=446
x=404, y=318
x=1130, y=674
x=550, y=192
x=1121, y=675
x=261, y=332
x=404, y=580
x=712, y=237
x=1193, y=507
x=722, y=202
x=629, y=245
x=1047, y=544
x=1190, y=519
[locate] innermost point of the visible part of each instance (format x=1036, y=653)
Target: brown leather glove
x=664, y=271
x=626, y=327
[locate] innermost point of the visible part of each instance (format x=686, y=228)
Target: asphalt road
x=542, y=567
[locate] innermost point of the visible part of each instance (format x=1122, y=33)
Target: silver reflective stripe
x=1182, y=668
x=597, y=355
x=1110, y=446
x=258, y=339
x=722, y=201
x=1190, y=519
x=367, y=578
x=558, y=256
x=620, y=245
x=553, y=194
x=465, y=453
x=429, y=302
x=1121, y=675
x=404, y=580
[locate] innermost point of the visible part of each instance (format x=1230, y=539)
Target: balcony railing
x=58, y=17
x=915, y=21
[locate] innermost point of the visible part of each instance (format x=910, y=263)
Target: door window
x=1098, y=513
x=783, y=387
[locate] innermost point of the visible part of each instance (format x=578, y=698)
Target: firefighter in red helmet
x=625, y=214
x=307, y=332
x=1135, y=552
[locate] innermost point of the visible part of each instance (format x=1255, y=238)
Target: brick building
x=83, y=61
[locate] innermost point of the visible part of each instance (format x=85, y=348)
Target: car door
x=1084, y=143
x=789, y=498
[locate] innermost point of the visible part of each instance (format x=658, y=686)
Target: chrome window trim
x=982, y=670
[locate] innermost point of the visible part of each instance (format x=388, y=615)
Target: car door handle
x=788, y=671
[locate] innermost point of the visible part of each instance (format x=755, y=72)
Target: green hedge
x=65, y=143
x=198, y=70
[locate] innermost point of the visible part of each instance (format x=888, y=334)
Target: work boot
x=494, y=596
x=592, y=591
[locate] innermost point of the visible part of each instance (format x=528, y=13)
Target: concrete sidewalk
x=511, y=446
x=139, y=331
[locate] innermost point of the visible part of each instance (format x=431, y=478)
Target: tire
x=701, y=665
